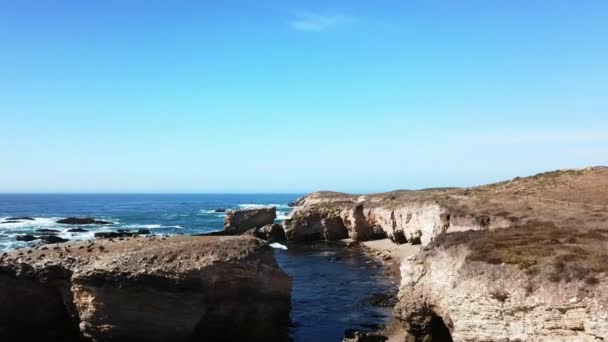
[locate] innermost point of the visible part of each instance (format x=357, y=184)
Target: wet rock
x=82, y=220
x=352, y=335
x=220, y=210
x=239, y=221
x=383, y=300
x=143, y=231
x=109, y=235
x=26, y=237
x=77, y=230
x=47, y=231
x=52, y=239
x=22, y=218
x=10, y=221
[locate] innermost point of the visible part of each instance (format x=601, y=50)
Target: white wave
x=207, y=211
x=278, y=246
x=144, y=226
x=281, y=215
x=149, y=226
x=37, y=223
x=258, y=205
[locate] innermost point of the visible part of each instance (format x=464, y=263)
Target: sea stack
x=240, y=221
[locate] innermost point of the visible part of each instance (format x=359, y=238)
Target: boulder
x=49, y=238
x=26, y=237
x=239, y=221
x=181, y=288
x=82, y=220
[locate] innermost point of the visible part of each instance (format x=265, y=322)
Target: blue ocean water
x=330, y=283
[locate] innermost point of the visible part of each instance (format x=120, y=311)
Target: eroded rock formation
x=145, y=289
x=520, y=260
x=240, y=221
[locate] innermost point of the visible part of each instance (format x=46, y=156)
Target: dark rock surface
x=77, y=230
x=82, y=220
x=271, y=233
x=26, y=237
x=22, y=218
x=47, y=239
x=48, y=231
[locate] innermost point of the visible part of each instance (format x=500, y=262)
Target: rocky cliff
x=520, y=260
x=240, y=221
x=145, y=289
x=532, y=283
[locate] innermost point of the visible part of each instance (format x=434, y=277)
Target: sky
x=297, y=96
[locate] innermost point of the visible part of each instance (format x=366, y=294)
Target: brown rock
x=239, y=221
x=189, y=288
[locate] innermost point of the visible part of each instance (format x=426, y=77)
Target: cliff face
x=444, y=295
x=416, y=218
x=573, y=196
x=521, y=260
x=145, y=289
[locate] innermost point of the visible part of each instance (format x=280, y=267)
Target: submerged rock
x=82, y=220
x=77, y=230
x=47, y=231
x=21, y=218
x=174, y=289
x=26, y=237
x=220, y=210
x=240, y=221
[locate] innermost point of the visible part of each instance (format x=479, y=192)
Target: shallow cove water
x=330, y=283
x=330, y=286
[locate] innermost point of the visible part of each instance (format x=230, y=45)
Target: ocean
x=330, y=283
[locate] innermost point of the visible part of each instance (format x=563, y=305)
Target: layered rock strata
x=145, y=289
x=240, y=221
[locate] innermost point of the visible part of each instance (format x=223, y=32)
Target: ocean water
x=330, y=283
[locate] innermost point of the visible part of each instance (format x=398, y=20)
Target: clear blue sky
x=285, y=96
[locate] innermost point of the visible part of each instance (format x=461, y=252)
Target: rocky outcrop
x=240, y=221
x=145, y=289
x=416, y=220
x=444, y=295
x=271, y=233
x=520, y=260
x=82, y=220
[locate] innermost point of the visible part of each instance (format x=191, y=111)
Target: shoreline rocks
x=82, y=220
x=179, y=289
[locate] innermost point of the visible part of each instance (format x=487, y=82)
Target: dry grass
x=538, y=248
